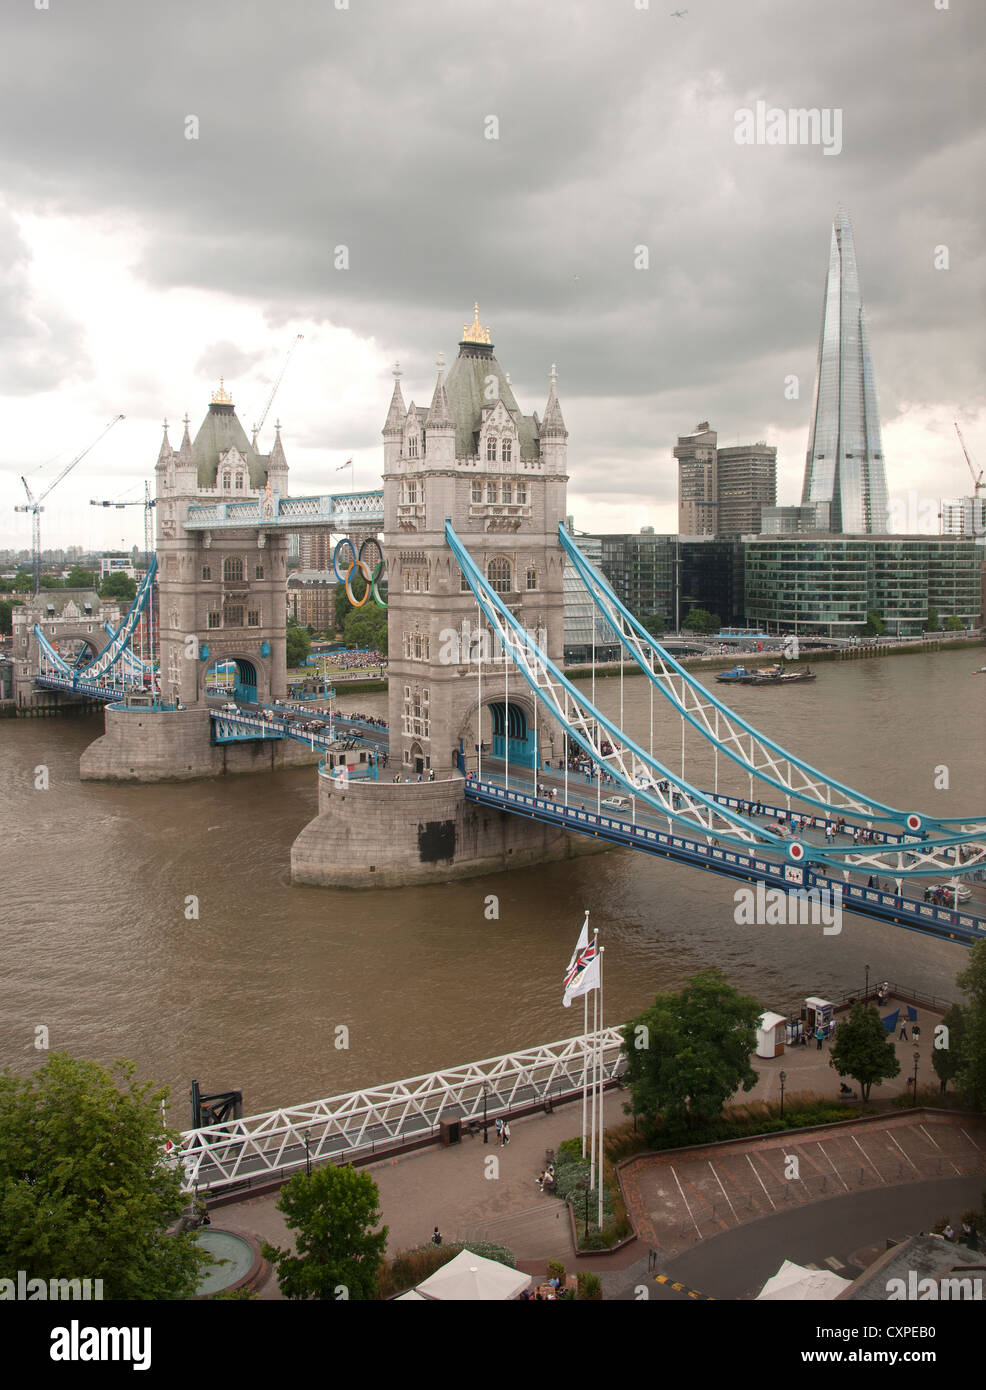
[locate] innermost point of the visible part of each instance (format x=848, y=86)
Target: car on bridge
x=616, y=803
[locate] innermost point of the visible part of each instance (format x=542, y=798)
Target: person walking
x=437, y=1237
x=506, y=1132
x=903, y=1031
x=819, y=1039
x=499, y=1129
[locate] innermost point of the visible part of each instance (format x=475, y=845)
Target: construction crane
x=35, y=508
x=977, y=482
x=270, y=399
x=148, y=504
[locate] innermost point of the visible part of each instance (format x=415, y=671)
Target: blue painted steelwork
x=910, y=856
x=337, y=511
x=960, y=926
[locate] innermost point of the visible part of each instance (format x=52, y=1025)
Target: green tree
x=299, y=644
x=688, y=1054
x=333, y=1214
x=701, y=620
x=118, y=585
x=947, y=1061
x=23, y=582
x=933, y=621
x=52, y=581
x=954, y=623
x=654, y=624
x=366, y=627
x=863, y=1049
x=79, y=578
x=6, y=616
x=85, y=1190
x=971, y=1080
x=341, y=604
x=874, y=624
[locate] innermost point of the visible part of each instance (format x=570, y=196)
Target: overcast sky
x=137, y=265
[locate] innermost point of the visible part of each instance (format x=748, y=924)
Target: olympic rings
x=374, y=574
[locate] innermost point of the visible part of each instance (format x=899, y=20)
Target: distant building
x=669, y=576
x=721, y=491
x=311, y=599
x=826, y=584
x=585, y=629
x=795, y=521
x=845, y=465
x=117, y=564
x=964, y=516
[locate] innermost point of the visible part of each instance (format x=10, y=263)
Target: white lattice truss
x=360, y=1122
x=654, y=784
x=338, y=511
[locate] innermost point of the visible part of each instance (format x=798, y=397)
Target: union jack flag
x=582, y=974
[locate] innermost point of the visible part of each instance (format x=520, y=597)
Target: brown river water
x=96, y=946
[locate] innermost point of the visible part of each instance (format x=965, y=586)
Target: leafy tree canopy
x=118, y=585
x=299, y=644
x=701, y=620
x=79, y=578
x=933, y=620
x=954, y=623
x=691, y=1051
x=971, y=1080
x=863, y=1049
x=334, y=1214
x=874, y=623
x=366, y=627
x=85, y=1190
x=948, y=1061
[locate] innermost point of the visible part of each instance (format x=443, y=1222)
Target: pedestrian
x=916, y=1034
x=819, y=1038
x=506, y=1132
x=949, y=1232
x=903, y=1032
x=437, y=1237
x=499, y=1128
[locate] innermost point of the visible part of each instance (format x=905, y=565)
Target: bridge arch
x=248, y=678
x=506, y=729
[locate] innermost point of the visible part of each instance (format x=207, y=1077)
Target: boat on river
x=739, y=675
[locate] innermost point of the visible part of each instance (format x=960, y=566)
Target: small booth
x=817, y=1013
x=771, y=1034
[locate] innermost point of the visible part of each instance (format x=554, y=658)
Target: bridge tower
x=500, y=476
x=223, y=596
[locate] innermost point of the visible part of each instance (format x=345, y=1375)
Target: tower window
x=498, y=573
x=239, y=481
x=491, y=450
x=412, y=446
x=522, y=493
x=206, y=572
x=508, y=492
x=227, y=481
x=477, y=490
x=507, y=451
x=491, y=492
x=532, y=578
x=233, y=571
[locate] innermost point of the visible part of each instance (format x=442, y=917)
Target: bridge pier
x=141, y=745
x=388, y=835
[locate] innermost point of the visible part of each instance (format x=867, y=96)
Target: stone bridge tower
x=500, y=477
x=226, y=589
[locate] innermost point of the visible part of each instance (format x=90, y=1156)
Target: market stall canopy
x=471, y=1277
x=794, y=1283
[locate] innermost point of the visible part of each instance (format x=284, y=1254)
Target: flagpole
x=595, y=1012
x=602, y=1091
x=585, y=1066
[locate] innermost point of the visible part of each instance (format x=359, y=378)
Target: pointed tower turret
x=393, y=429
x=165, y=452
x=277, y=465
x=554, y=450
x=186, y=481
x=439, y=425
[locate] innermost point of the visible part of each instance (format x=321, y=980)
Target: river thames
x=97, y=947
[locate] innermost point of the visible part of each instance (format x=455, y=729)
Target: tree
x=79, y=578
x=299, y=644
x=333, y=1213
x=654, y=624
x=701, y=620
x=874, y=624
x=6, y=616
x=341, y=605
x=118, y=585
x=947, y=1061
x=85, y=1191
x=52, y=581
x=366, y=627
x=688, y=1054
x=933, y=621
x=23, y=582
x=954, y=623
x=863, y=1049
x=971, y=1080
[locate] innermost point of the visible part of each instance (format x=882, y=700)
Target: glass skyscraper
x=845, y=466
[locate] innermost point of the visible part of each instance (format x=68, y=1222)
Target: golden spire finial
x=222, y=397
x=475, y=332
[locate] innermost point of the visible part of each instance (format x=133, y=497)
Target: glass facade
x=828, y=584
x=845, y=465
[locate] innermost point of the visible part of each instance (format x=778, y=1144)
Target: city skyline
x=155, y=246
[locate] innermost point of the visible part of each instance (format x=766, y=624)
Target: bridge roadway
x=647, y=830
x=288, y=721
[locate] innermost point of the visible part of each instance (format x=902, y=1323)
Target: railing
x=360, y=1123
x=341, y=509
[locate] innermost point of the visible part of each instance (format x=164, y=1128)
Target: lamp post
x=917, y=1058
x=308, y=1155
x=486, y=1137
x=866, y=991
x=783, y=1079
x=585, y=1190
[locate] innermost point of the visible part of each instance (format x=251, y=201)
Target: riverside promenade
x=675, y=1202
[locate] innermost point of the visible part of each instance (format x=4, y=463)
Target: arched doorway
x=417, y=758
x=233, y=677
x=512, y=734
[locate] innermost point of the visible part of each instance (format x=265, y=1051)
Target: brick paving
x=676, y=1200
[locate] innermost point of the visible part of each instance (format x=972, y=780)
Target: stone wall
x=387, y=835
x=176, y=746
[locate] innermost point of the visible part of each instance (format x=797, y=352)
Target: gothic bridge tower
x=224, y=589
x=500, y=477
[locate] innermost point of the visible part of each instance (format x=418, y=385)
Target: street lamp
x=486, y=1137
x=586, y=1188
x=866, y=992
x=308, y=1155
x=783, y=1079
x=917, y=1058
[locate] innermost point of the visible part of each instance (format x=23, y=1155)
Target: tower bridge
x=481, y=715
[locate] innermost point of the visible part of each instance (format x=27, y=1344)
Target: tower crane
x=977, y=482
x=35, y=508
x=270, y=399
x=148, y=504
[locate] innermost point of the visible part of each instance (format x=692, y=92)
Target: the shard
x=844, y=467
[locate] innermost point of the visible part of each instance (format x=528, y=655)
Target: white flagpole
x=592, y=1132
x=585, y=1069
x=602, y=1091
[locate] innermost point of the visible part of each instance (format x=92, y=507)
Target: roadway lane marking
x=970, y=1139
x=907, y=1156
x=724, y=1192
x=760, y=1181
x=685, y=1200
x=928, y=1136
x=682, y=1288
x=832, y=1166
x=867, y=1157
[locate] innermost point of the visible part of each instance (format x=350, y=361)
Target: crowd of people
x=358, y=661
